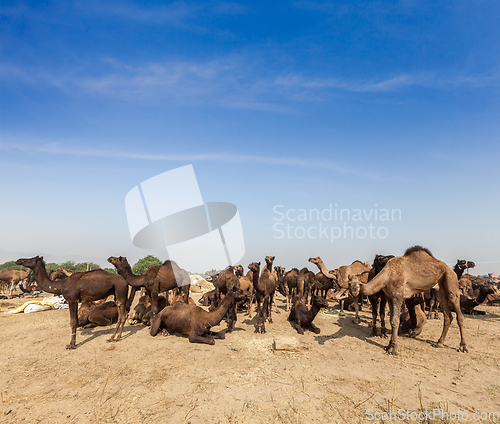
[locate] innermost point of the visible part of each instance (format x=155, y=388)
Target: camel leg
x=250, y=303
x=374, y=301
x=122, y=317
x=73, y=322
x=194, y=337
x=356, y=308
x=383, y=302
x=454, y=299
x=313, y=328
x=296, y=325
x=395, y=308
x=271, y=299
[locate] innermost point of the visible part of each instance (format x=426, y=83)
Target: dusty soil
x=339, y=376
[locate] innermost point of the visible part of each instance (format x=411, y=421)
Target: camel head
x=316, y=260
x=354, y=285
x=29, y=263
x=254, y=267
x=270, y=259
x=118, y=262
x=463, y=264
x=238, y=270
x=319, y=301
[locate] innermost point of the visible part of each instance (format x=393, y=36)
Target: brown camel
x=192, y=321
x=294, y=283
x=90, y=314
x=413, y=325
x=83, y=287
x=156, y=279
x=404, y=276
x=245, y=286
x=301, y=318
x=341, y=277
x=264, y=287
x=11, y=278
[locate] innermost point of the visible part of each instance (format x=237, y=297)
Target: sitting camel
x=301, y=318
x=92, y=315
x=156, y=279
x=83, y=287
x=413, y=325
x=404, y=276
x=142, y=311
x=467, y=305
x=192, y=321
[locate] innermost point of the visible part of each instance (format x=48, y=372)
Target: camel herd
x=404, y=282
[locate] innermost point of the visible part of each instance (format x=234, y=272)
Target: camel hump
x=417, y=248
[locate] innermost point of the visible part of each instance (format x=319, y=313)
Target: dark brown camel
x=264, y=287
x=467, y=305
x=302, y=318
x=378, y=299
x=142, y=311
x=192, y=321
x=225, y=282
x=404, y=276
x=83, y=287
x=92, y=315
x=155, y=280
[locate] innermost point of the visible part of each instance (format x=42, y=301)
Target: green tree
x=12, y=265
x=51, y=266
x=86, y=266
x=111, y=270
x=68, y=265
x=143, y=264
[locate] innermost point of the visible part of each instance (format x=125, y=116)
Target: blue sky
x=363, y=105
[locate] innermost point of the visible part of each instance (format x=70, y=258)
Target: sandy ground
x=339, y=376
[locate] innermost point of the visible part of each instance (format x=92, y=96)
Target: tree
x=12, y=265
x=111, y=270
x=51, y=266
x=68, y=265
x=86, y=266
x=143, y=264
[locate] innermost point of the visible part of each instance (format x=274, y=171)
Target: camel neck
x=44, y=282
x=215, y=317
x=130, y=277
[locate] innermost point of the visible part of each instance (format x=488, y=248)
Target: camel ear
x=41, y=258
x=259, y=263
x=376, y=255
x=274, y=257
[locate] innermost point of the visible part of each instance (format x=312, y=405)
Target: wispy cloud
x=230, y=82
x=53, y=148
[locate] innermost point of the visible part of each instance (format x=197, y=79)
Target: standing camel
x=156, y=279
x=264, y=287
x=404, y=276
x=12, y=278
x=341, y=277
x=82, y=287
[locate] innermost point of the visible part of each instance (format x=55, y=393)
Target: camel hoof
x=412, y=334
x=70, y=346
x=270, y=321
x=383, y=336
x=355, y=321
x=392, y=349
x=463, y=348
x=438, y=345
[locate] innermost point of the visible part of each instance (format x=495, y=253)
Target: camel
x=294, y=283
x=301, y=318
x=341, y=277
x=404, y=276
x=224, y=282
x=60, y=274
x=379, y=297
x=264, y=286
x=12, y=277
x=83, y=287
x=245, y=286
x=467, y=305
x=156, y=279
x=192, y=321
x=90, y=314
x=409, y=325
